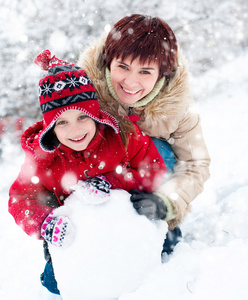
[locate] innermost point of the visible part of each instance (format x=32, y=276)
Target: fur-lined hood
x=171, y=102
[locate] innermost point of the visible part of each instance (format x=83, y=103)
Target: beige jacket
x=171, y=116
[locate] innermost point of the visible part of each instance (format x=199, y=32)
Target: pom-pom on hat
x=66, y=87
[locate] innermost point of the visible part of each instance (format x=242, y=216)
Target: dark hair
x=143, y=37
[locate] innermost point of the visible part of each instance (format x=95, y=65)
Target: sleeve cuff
x=170, y=210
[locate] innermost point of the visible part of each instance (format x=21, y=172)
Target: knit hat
x=66, y=87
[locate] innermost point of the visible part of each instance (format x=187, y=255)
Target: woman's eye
x=123, y=67
x=145, y=72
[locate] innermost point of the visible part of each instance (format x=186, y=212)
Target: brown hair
x=144, y=37
x=126, y=128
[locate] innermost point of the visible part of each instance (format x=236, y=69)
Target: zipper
x=130, y=111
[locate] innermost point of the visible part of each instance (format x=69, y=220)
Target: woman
x=139, y=70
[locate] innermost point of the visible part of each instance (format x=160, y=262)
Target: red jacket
x=44, y=180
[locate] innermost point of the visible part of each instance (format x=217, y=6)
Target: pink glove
x=57, y=231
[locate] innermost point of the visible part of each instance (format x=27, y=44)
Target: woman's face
x=132, y=80
x=75, y=130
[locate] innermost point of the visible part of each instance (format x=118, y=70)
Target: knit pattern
x=66, y=87
x=54, y=229
x=46, y=107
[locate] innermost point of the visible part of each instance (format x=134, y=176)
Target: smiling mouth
x=78, y=139
x=129, y=92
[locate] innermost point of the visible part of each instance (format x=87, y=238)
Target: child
x=77, y=141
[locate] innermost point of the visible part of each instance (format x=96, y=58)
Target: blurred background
x=210, y=32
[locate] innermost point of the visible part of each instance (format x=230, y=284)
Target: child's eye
x=60, y=123
x=82, y=117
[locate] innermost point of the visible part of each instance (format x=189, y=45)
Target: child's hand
x=93, y=191
x=99, y=184
x=57, y=231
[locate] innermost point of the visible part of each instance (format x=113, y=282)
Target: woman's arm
x=191, y=169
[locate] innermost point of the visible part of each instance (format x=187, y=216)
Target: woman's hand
x=149, y=205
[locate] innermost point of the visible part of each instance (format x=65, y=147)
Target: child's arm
x=146, y=167
x=29, y=203
x=146, y=164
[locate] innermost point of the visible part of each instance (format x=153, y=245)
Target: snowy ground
x=211, y=262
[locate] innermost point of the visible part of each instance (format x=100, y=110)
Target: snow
x=211, y=262
x=114, y=248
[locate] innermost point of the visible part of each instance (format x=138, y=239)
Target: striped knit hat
x=66, y=87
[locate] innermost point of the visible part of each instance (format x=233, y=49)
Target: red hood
x=30, y=144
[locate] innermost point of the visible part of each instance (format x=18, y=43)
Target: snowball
x=114, y=249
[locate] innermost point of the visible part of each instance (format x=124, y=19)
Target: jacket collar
x=30, y=144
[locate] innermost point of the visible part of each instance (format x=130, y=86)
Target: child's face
x=75, y=130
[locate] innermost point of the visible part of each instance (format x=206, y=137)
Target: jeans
x=48, y=280
x=166, y=153
x=172, y=237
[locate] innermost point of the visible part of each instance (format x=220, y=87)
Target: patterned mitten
x=95, y=190
x=57, y=231
x=98, y=185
